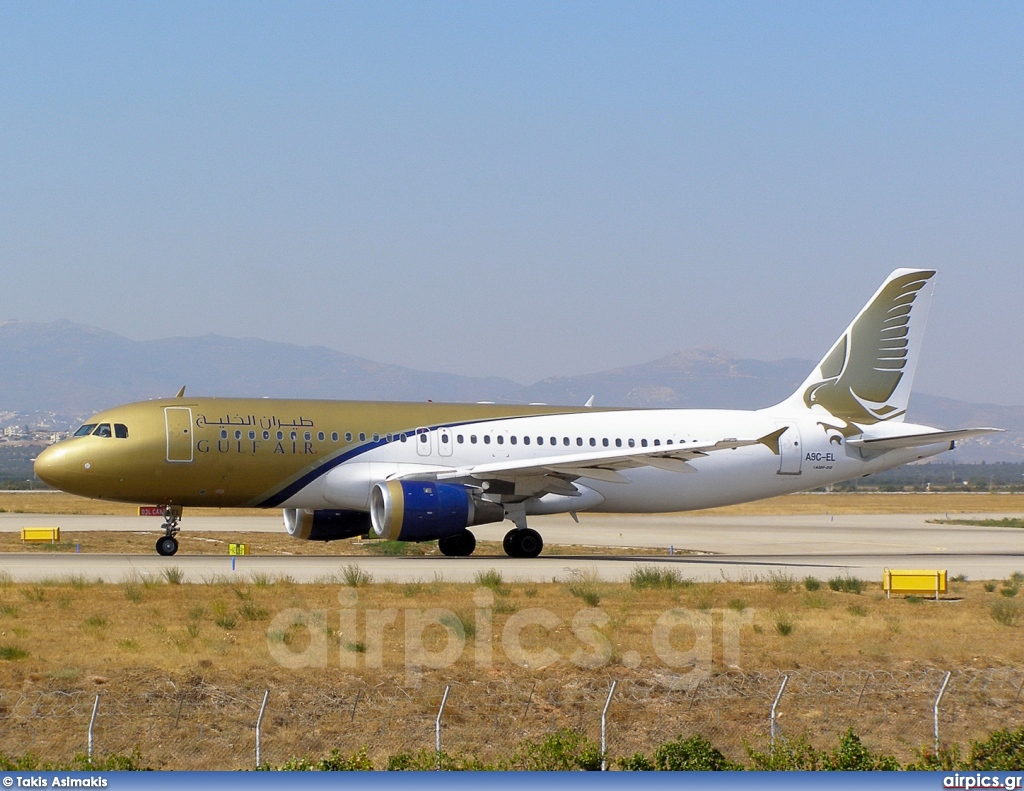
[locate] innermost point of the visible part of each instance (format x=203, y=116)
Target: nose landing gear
x=167, y=544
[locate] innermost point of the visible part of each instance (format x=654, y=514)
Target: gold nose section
x=51, y=466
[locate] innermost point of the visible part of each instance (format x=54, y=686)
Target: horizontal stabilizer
x=881, y=444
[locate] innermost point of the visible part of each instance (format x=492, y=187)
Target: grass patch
x=739, y=605
x=252, y=612
x=174, y=575
x=492, y=579
x=812, y=584
x=858, y=610
x=392, y=548
x=459, y=624
x=130, y=645
x=846, y=585
x=781, y=582
x=132, y=592
x=654, y=577
x=94, y=622
x=355, y=576
x=989, y=586
x=1009, y=521
x=783, y=623
x=12, y=653
x=1007, y=613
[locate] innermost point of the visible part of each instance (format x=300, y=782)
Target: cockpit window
x=121, y=431
x=85, y=430
x=102, y=430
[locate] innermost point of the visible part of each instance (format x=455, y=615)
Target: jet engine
x=325, y=525
x=425, y=510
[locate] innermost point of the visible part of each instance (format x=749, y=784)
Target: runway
x=730, y=547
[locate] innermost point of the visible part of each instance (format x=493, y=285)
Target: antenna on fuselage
x=181, y=393
x=590, y=402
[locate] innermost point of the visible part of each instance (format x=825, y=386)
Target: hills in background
x=71, y=371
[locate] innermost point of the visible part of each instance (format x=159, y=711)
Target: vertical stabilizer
x=867, y=375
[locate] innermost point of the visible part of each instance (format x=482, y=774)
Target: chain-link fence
x=198, y=724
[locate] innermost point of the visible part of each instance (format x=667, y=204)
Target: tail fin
x=866, y=376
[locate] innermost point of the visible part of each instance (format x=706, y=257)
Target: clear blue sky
x=521, y=189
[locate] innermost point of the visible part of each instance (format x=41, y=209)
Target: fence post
x=771, y=721
x=259, y=724
x=938, y=700
x=92, y=721
x=604, y=720
x=437, y=724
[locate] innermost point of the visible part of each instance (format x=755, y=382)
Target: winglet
x=181, y=393
x=771, y=441
x=590, y=402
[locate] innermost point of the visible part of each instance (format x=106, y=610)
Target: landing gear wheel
x=461, y=545
x=523, y=543
x=166, y=545
x=506, y=542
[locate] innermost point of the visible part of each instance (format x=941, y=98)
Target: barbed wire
x=198, y=723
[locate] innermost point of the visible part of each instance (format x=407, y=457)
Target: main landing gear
x=522, y=543
x=460, y=545
x=167, y=544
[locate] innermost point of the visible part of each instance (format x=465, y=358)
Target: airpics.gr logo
x=979, y=780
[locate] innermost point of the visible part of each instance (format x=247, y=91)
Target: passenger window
x=565, y=440
x=85, y=430
x=362, y=437
x=280, y=436
x=121, y=431
x=540, y=440
x=605, y=442
x=472, y=439
x=632, y=444
x=579, y=442
x=402, y=437
x=223, y=433
x=593, y=442
x=376, y=437
x=487, y=439
x=512, y=440
x=266, y=435
x=348, y=436
x=444, y=437
x=554, y=440
x=501, y=440
x=320, y=436
x=423, y=438
x=334, y=436
x=294, y=436
x=102, y=430
x=526, y=440
x=657, y=442
x=238, y=434
x=643, y=443
x=307, y=436
x=460, y=439
x=618, y=443
x=668, y=442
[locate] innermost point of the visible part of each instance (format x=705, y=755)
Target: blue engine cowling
x=325, y=525
x=425, y=510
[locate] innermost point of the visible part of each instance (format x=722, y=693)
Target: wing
x=554, y=474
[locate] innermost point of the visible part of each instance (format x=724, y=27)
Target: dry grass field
x=182, y=668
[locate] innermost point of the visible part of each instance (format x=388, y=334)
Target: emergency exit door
x=178, y=420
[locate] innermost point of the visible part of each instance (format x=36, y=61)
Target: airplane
x=431, y=471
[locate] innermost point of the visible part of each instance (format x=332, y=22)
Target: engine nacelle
x=325, y=525
x=424, y=510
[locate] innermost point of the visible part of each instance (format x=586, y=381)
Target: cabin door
x=791, y=451
x=178, y=420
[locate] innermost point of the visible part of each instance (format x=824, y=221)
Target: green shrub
x=638, y=762
x=561, y=751
x=355, y=576
x=812, y=584
x=852, y=756
x=846, y=584
x=989, y=587
x=781, y=582
x=1002, y=750
x=695, y=754
x=12, y=653
x=335, y=762
x=174, y=575
x=427, y=760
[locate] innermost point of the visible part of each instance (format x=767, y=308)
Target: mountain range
x=71, y=371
